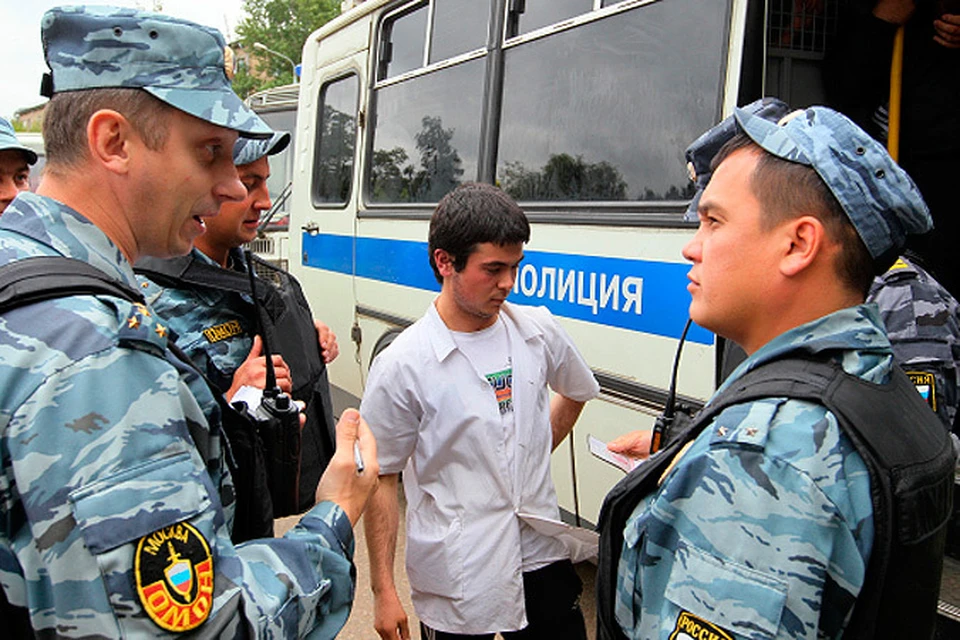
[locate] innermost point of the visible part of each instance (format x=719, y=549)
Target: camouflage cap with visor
x=9, y=142
x=879, y=198
x=247, y=150
x=178, y=62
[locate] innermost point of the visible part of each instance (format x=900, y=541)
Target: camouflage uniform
x=115, y=464
x=192, y=311
x=764, y=526
x=112, y=522
x=923, y=322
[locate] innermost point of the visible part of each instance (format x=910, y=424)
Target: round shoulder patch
x=174, y=571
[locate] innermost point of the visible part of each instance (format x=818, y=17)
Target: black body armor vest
x=911, y=462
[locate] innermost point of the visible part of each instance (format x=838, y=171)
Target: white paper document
x=599, y=448
x=581, y=543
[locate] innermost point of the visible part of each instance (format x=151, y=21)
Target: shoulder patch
x=174, y=572
x=899, y=264
x=926, y=384
x=690, y=627
x=223, y=331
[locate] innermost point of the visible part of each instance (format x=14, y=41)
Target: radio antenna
x=663, y=423
x=271, y=390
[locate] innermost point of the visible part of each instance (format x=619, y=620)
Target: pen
x=357, y=457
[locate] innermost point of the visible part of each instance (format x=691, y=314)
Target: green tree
x=281, y=25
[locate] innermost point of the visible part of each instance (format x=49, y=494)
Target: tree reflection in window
x=336, y=140
x=565, y=177
x=395, y=179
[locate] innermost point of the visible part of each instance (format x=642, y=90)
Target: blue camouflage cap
x=701, y=151
x=178, y=62
x=879, y=198
x=9, y=142
x=247, y=150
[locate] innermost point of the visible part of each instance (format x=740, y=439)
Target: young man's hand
x=389, y=618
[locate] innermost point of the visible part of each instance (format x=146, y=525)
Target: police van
x=278, y=108
x=580, y=110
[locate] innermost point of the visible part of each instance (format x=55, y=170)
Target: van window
x=426, y=135
x=604, y=110
x=281, y=164
x=459, y=26
x=336, y=136
x=530, y=15
x=402, y=41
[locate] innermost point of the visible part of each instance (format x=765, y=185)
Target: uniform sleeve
x=568, y=373
x=744, y=541
x=392, y=409
x=118, y=531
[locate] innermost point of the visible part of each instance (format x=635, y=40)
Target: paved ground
x=360, y=624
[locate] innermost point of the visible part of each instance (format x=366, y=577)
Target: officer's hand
x=389, y=618
x=329, y=348
x=253, y=371
x=341, y=483
x=946, y=31
x=635, y=444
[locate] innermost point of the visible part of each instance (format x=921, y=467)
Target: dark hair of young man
x=472, y=214
x=67, y=114
x=788, y=190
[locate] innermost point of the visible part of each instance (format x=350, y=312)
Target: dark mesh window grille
x=802, y=25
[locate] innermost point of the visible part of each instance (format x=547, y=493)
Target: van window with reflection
x=603, y=111
x=402, y=42
x=336, y=141
x=426, y=135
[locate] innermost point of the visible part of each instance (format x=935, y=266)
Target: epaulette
x=744, y=424
x=142, y=329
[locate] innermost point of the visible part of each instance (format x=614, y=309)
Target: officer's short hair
x=788, y=190
x=472, y=214
x=67, y=114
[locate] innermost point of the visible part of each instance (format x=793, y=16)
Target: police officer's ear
x=803, y=240
x=109, y=137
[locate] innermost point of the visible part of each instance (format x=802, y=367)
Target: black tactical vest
x=911, y=462
x=33, y=280
x=290, y=332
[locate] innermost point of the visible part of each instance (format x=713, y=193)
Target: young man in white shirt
x=460, y=404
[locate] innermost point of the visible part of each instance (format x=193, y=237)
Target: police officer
x=923, y=322
x=15, y=162
x=205, y=298
x=763, y=524
x=116, y=504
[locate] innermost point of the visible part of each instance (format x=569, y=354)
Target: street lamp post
x=293, y=66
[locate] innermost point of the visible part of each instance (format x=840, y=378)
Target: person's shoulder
x=409, y=345
x=535, y=318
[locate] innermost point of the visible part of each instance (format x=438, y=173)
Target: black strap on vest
x=41, y=278
x=288, y=325
x=911, y=462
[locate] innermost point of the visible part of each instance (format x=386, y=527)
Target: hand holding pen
x=351, y=476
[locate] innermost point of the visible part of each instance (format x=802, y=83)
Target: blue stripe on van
x=584, y=281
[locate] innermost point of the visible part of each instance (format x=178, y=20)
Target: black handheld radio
x=278, y=425
x=664, y=422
